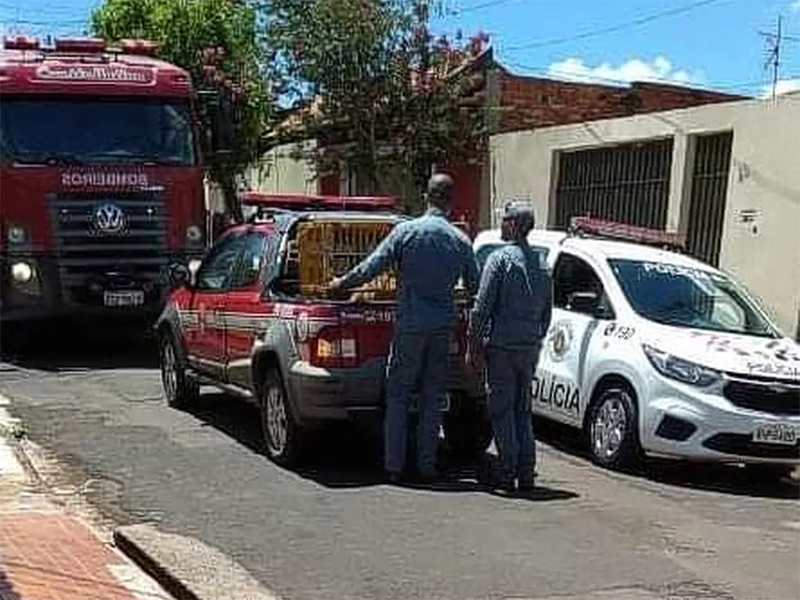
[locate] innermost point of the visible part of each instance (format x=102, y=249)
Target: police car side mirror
x=584, y=302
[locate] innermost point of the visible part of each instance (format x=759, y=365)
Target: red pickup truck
x=240, y=322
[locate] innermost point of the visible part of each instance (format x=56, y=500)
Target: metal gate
x=628, y=183
x=712, y=160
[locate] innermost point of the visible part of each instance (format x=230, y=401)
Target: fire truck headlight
x=17, y=235
x=22, y=272
x=194, y=234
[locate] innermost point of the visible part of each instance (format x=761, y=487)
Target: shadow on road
x=726, y=479
x=79, y=345
x=343, y=456
x=7, y=591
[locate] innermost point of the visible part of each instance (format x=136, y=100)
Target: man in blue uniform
x=430, y=255
x=512, y=310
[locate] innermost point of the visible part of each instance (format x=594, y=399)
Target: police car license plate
x=776, y=433
x=444, y=408
x=126, y=298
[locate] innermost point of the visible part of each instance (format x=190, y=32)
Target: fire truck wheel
x=467, y=430
x=281, y=433
x=179, y=390
x=612, y=431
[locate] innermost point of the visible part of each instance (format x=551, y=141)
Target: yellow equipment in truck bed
x=328, y=249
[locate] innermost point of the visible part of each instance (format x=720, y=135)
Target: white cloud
x=660, y=70
x=784, y=86
x=795, y=6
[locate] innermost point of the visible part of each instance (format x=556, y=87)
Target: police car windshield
x=685, y=297
x=81, y=130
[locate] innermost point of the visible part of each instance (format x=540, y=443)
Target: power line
x=614, y=28
x=476, y=7
x=599, y=80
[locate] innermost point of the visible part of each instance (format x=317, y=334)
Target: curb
x=187, y=568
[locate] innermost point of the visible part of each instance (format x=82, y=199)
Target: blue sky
x=710, y=43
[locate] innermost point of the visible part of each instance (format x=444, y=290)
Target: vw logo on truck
x=109, y=219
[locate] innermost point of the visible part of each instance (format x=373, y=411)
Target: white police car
x=650, y=351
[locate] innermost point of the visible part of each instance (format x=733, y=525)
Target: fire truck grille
x=108, y=236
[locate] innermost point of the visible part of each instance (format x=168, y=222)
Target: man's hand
x=335, y=284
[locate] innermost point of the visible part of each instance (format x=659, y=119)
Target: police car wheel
x=763, y=473
x=179, y=390
x=281, y=436
x=612, y=429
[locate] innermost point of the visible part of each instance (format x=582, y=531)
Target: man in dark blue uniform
x=513, y=310
x=430, y=255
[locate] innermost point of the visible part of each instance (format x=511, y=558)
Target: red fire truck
x=100, y=177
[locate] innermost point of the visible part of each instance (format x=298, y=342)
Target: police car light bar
x=625, y=232
x=300, y=202
x=21, y=43
x=88, y=45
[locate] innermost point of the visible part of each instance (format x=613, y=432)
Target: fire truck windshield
x=81, y=130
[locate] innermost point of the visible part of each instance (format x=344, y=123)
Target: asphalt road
x=331, y=530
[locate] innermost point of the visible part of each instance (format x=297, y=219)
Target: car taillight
x=335, y=347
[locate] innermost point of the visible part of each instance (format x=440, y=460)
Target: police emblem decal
x=560, y=340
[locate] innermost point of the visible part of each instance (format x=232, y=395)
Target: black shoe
x=428, y=477
x=393, y=477
x=525, y=481
x=502, y=483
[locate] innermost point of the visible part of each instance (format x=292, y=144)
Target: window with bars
x=628, y=183
x=710, y=171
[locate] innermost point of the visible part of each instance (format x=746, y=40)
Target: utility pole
x=774, y=54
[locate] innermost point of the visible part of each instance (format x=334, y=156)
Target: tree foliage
x=216, y=42
x=374, y=87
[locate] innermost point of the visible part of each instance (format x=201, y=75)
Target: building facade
x=726, y=175
x=512, y=103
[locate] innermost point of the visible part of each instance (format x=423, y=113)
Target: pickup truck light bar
x=20, y=43
x=613, y=230
x=300, y=202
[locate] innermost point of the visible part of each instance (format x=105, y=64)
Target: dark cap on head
x=440, y=190
x=521, y=214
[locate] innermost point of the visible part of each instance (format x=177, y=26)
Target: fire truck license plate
x=127, y=298
x=776, y=433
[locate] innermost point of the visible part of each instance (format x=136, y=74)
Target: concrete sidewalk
x=48, y=554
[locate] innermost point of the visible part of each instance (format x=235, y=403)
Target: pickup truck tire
x=467, y=430
x=282, y=436
x=612, y=429
x=179, y=389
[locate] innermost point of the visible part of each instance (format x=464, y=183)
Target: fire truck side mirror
x=223, y=126
x=180, y=276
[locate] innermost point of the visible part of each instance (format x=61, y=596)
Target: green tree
x=215, y=41
x=374, y=87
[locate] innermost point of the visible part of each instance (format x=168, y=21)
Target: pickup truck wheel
x=179, y=390
x=612, y=430
x=281, y=435
x=467, y=430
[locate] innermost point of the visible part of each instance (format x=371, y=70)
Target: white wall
x=280, y=172
x=764, y=175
